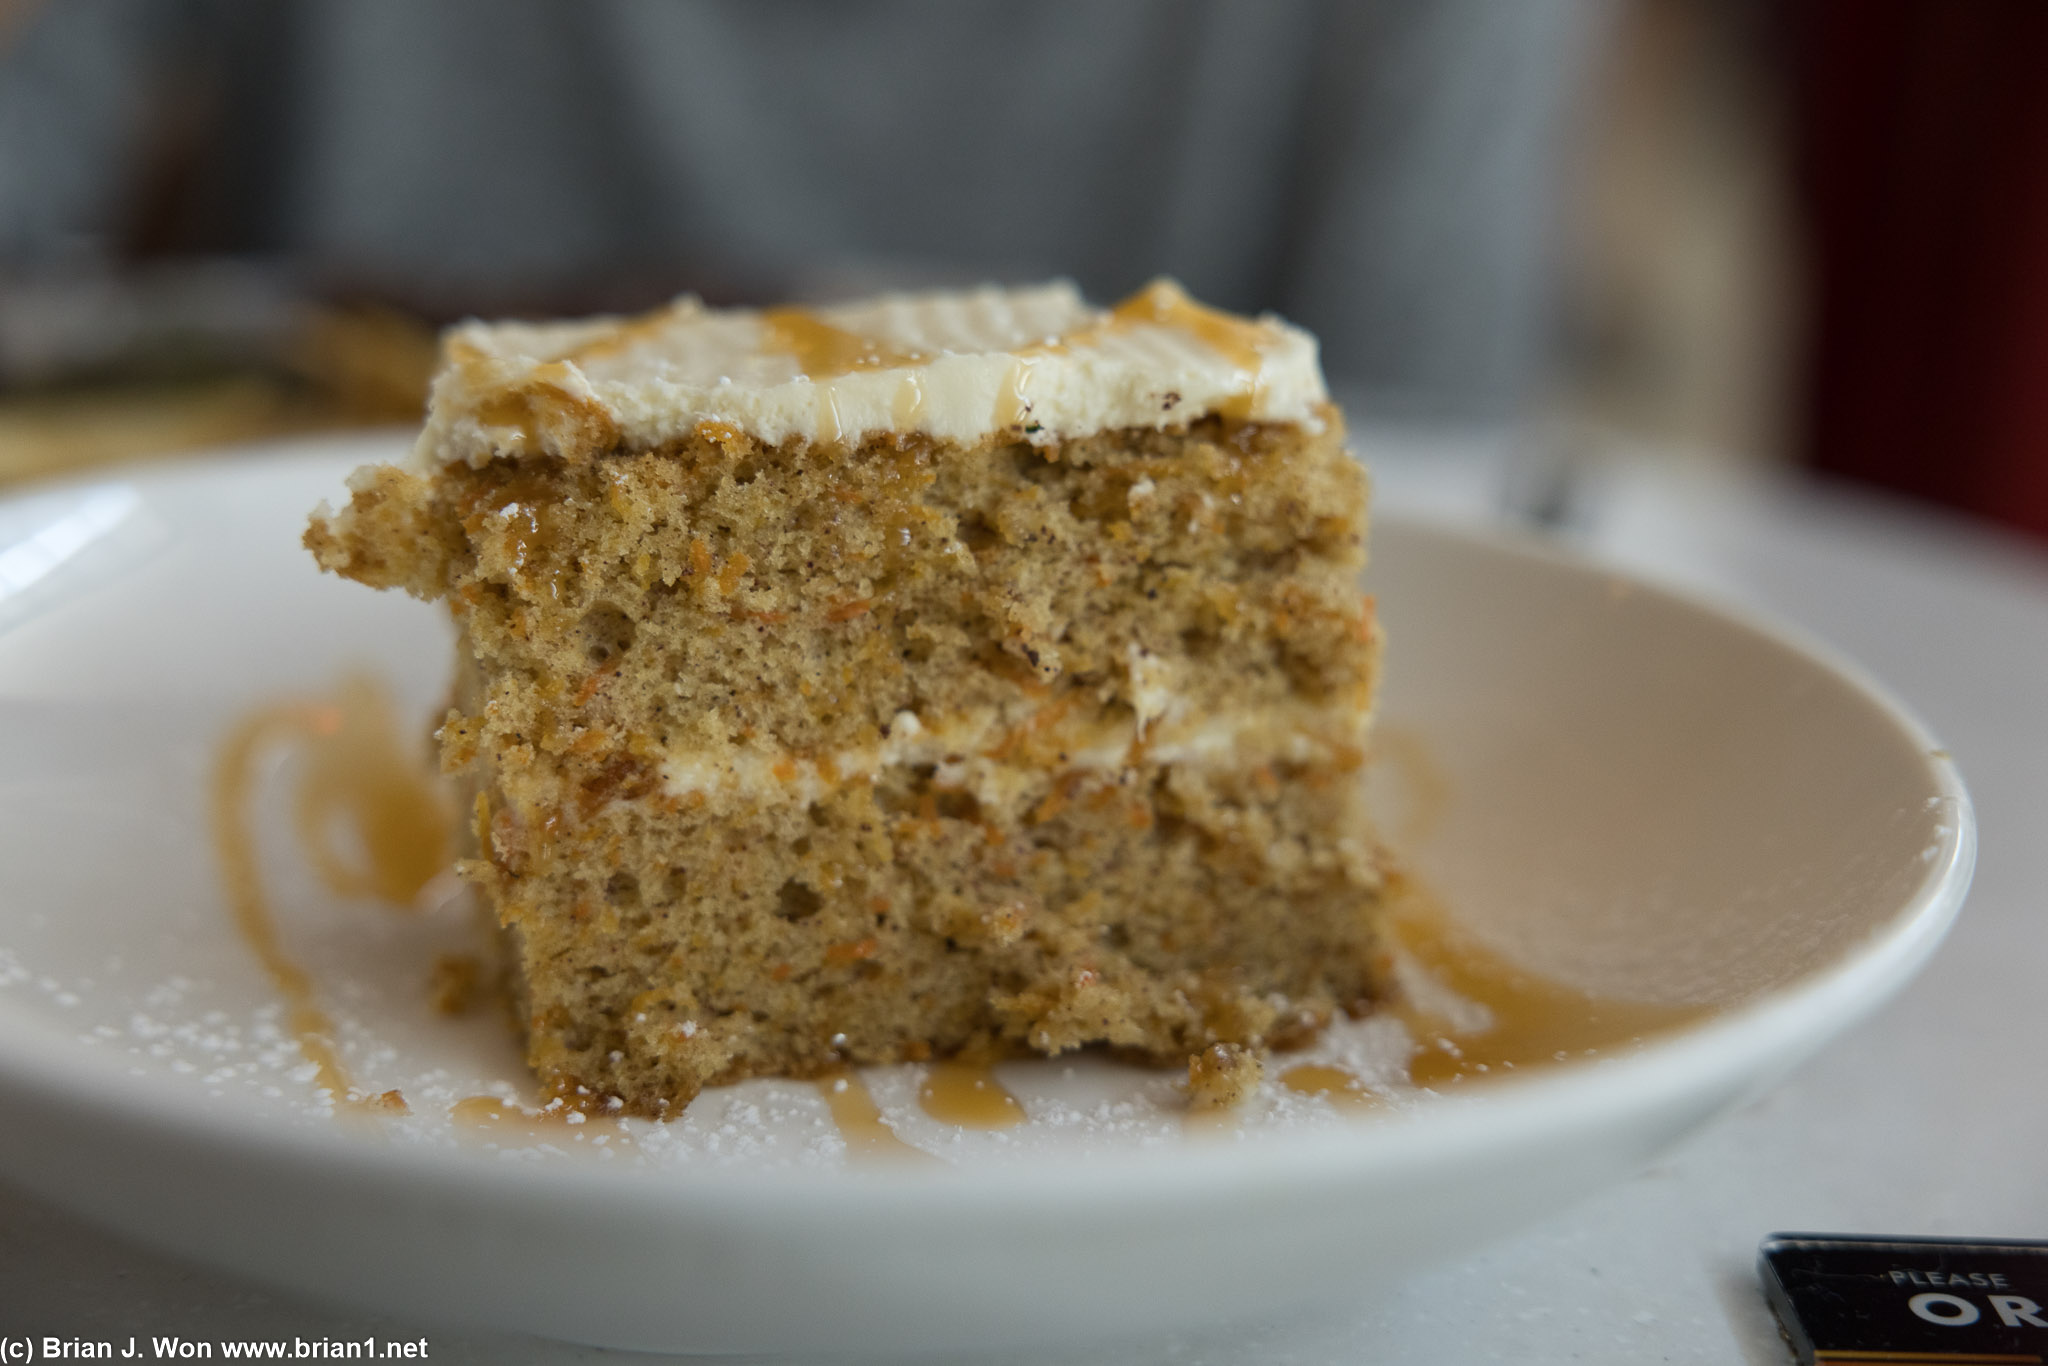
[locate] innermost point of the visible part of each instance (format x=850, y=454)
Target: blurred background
x=1801, y=235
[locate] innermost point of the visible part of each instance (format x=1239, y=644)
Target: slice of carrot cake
x=956, y=674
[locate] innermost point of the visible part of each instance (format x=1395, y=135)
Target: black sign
x=1928, y=1301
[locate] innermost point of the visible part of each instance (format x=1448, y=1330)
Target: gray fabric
x=1382, y=171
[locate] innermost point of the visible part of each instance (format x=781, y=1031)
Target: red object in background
x=1922, y=144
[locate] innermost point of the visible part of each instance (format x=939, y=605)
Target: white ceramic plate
x=1631, y=791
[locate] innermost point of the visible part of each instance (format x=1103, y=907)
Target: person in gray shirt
x=1382, y=171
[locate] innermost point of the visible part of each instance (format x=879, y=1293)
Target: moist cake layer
x=788, y=753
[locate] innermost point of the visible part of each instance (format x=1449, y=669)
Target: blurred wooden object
x=1682, y=298
x=372, y=363
x=50, y=435
x=345, y=366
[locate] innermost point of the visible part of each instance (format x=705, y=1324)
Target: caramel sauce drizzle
x=1240, y=341
x=1535, y=1019
x=1531, y=1020
x=1011, y=405
x=484, y=1110
x=823, y=350
x=355, y=768
x=909, y=402
x=968, y=1094
x=859, y=1121
x=1334, y=1084
x=1162, y=303
x=633, y=331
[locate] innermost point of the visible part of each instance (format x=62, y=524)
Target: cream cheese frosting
x=1036, y=364
x=968, y=753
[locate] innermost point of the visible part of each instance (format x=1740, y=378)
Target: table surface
x=1931, y=1118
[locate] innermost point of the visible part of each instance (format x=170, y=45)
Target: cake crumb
x=1223, y=1076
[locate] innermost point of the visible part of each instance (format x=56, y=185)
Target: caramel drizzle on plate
x=1531, y=1020
x=1534, y=1019
x=356, y=769
x=968, y=1094
x=859, y=1121
x=1334, y=1084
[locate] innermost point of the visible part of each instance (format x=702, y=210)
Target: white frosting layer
x=1037, y=364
